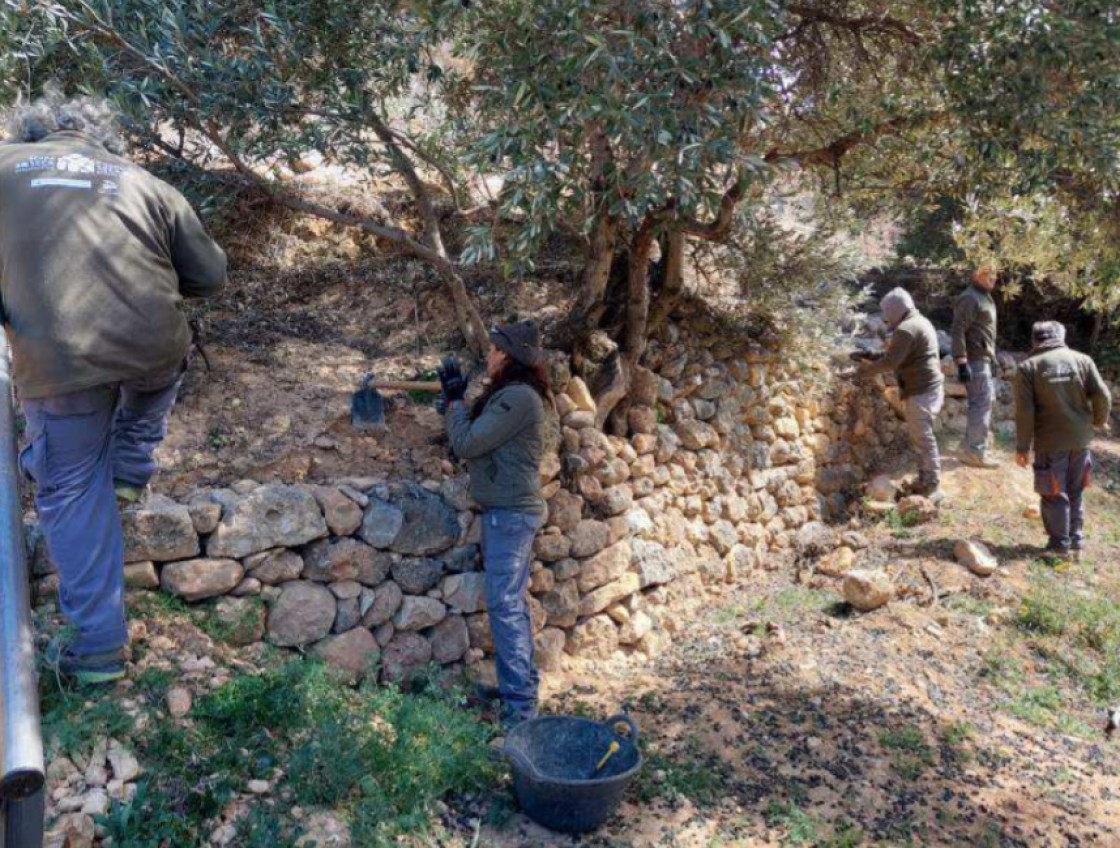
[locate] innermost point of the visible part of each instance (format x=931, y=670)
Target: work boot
x=1058, y=558
x=85, y=669
x=977, y=459
x=929, y=490
x=512, y=718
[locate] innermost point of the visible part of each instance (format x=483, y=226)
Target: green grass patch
x=380, y=757
x=673, y=777
x=73, y=719
x=792, y=603
x=800, y=828
x=956, y=741
x=909, y=751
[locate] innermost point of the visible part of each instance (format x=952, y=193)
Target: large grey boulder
x=465, y=592
x=450, y=640
x=431, y=525
x=159, y=530
x=417, y=576
x=381, y=523
x=269, y=517
x=387, y=600
x=197, y=579
x=351, y=654
x=405, y=654
x=408, y=519
x=419, y=613
x=328, y=560
x=304, y=613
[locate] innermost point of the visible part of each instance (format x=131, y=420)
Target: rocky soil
x=784, y=717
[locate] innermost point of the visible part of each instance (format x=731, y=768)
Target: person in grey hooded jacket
x=501, y=436
x=912, y=355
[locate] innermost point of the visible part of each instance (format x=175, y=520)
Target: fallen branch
x=932, y=586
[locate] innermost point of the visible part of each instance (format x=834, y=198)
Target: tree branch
x=720, y=226
x=430, y=248
x=883, y=24
x=831, y=153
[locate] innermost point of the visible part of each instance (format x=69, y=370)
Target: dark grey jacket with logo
x=96, y=255
x=1059, y=398
x=503, y=448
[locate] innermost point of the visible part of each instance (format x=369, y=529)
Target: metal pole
x=21, y=740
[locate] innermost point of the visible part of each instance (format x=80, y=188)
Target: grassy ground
x=269, y=741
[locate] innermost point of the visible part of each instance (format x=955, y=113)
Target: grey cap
x=1044, y=332
x=522, y=341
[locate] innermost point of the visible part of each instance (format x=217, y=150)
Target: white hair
x=96, y=117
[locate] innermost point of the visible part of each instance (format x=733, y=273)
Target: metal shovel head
x=367, y=409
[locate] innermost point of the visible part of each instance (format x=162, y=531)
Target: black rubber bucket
x=554, y=761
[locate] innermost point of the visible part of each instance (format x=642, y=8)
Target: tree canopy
x=642, y=127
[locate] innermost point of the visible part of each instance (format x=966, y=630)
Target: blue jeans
x=78, y=443
x=981, y=393
x=507, y=552
x=1060, y=480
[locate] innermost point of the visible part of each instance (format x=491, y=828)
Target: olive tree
x=240, y=83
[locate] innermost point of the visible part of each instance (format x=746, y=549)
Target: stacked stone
x=721, y=454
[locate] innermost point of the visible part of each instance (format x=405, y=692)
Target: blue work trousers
x=507, y=552
x=78, y=444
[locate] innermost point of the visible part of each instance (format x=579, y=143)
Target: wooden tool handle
x=407, y=385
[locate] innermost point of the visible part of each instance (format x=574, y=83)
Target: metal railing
x=21, y=740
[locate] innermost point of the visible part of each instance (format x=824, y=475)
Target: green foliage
x=793, y=236
x=1034, y=86
x=628, y=108
x=74, y=720
x=381, y=756
x=910, y=752
x=680, y=776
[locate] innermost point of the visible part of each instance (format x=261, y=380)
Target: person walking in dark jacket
x=912, y=355
x=974, y=350
x=1059, y=398
x=96, y=255
x=501, y=436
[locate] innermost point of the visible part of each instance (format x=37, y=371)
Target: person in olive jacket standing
x=974, y=350
x=912, y=354
x=1059, y=398
x=501, y=436
x=96, y=255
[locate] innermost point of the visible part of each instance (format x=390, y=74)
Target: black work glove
x=453, y=382
x=964, y=373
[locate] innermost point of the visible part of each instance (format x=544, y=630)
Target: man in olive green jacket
x=974, y=350
x=96, y=255
x=912, y=354
x=1059, y=398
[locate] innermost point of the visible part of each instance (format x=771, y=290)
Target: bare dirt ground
x=898, y=727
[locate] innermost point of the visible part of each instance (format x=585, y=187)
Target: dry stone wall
x=728, y=458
